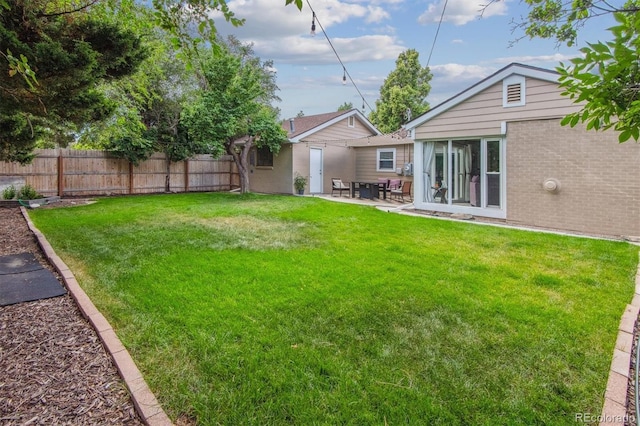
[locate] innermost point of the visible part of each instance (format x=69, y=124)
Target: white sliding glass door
x=464, y=175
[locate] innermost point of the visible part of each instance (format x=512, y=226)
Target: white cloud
x=283, y=33
x=316, y=50
x=268, y=21
x=556, y=58
x=460, y=12
x=376, y=14
x=449, y=73
x=457, y=41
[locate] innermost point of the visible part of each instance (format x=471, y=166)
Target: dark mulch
x=54, y=368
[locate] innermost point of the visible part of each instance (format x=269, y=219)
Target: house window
x=513, y=91
x=351, y=121
x=265, y=157
x=386, y=159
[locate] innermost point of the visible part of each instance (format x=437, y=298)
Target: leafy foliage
x=607, y=78
x=9, y=193
x=232, y=112
x=63, y=57
x=404, y=90
x=347, y=106
x=563, y=20
x=55, y=53
x=134, y=150
x=28, y=192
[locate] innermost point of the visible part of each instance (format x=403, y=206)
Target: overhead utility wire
x=344, y=69
x=437, y=31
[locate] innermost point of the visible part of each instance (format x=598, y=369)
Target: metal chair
x=338, y=185
x=403, y=191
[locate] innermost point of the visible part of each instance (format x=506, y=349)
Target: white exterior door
x=315, y=171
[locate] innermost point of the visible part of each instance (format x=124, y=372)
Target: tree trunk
x=241, y=158
x=167, y=179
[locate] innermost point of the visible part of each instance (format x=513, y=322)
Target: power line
x=344, y=68
x=437, y=31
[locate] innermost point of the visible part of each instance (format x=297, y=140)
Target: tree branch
x=68, y=12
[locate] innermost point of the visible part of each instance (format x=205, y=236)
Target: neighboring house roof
x=498, y=76
x=308, y=125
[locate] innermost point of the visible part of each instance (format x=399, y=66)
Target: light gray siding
x=484, y=113
x=366, y=158
x=340, y=131
x=277, y=179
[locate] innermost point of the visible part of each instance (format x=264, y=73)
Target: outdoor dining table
x=368, y=190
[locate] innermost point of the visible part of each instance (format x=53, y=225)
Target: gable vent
x=514, y=93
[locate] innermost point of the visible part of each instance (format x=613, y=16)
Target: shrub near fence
x=69, y=172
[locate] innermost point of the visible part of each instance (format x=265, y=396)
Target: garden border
x=144, y=400
x=614, y=410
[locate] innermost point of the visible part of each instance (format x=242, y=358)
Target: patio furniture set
x=380, y=189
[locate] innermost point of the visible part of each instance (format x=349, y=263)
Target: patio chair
x=383, y=184
x=441, y=193
x=338, y=185
x=403, y=191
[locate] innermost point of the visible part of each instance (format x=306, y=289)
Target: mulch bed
x=54, y=367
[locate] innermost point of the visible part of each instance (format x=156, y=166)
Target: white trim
x=491, y=212
x=519, y=69
x=393, y=166
x=483, y=210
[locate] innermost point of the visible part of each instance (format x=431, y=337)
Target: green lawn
x=293, y=310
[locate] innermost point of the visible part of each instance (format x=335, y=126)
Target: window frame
x=264, y=153
x=351, y=121
x=393, y=160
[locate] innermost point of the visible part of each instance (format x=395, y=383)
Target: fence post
x=60, y=174
x=186, y=175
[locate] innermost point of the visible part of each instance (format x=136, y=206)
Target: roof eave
x=361, y=117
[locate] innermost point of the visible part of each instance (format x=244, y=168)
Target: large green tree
x=68, y=54
x=53, y=53
x=148, y=117
x=402, y=94
x=232, y=113
x=606, y=78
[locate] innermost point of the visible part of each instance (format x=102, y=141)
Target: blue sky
x=369, y=36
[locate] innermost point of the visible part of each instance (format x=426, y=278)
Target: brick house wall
x=599, y=179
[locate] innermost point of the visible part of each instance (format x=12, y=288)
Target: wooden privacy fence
x=70, y=172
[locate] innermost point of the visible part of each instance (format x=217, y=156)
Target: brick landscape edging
x=614, y=410
x=145, y=402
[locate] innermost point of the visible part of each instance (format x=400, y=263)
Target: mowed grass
x=272, y=310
